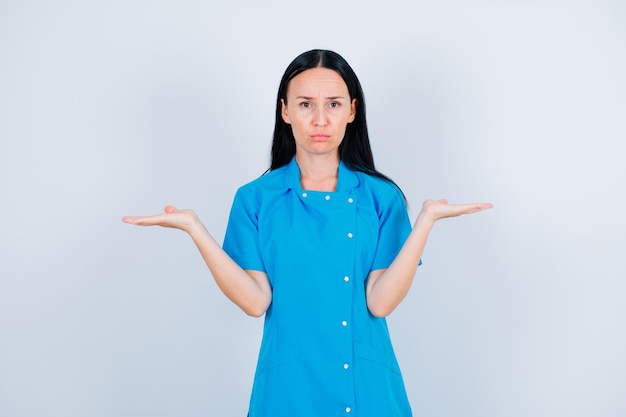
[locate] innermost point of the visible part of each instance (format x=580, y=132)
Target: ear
x=283, y=111
x=352, y=111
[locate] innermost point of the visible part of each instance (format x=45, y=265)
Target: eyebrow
x=327, y=98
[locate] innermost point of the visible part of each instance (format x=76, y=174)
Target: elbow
x=254, y=312
x=379, y=309
x=257, y=309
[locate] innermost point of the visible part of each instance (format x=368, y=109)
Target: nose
x=319, y=117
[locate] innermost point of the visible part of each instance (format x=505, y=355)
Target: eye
x=334, y=105
x=305, y=104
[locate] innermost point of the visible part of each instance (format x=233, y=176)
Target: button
x=350, y=200
x=344, y=323
x=305, y=195
x=346, y=278
x=327, y=197
x=348, y=409
x=350, y=235
x=346, y=366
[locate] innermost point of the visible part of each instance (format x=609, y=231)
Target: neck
x=318, y=173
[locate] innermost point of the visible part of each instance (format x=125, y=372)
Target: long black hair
x=355, y=150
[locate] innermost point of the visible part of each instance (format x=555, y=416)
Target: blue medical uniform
x=323, y=354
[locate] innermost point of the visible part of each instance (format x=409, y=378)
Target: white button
x=346, y=278
x=327, y=197
x=344, y=323
x=350, y=235
x=348, y=409
x=350, y=200
x=304, y=195
x=346, y=366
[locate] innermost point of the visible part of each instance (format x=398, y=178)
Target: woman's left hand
x=441, y=209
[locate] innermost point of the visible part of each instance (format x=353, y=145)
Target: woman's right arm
x=249, y=289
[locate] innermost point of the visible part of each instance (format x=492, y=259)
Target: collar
x=346, y=178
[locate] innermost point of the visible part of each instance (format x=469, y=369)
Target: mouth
x=319, y=137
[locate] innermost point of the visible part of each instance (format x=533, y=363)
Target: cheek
x=297, y=123
x=298, y=128
x=299, y=116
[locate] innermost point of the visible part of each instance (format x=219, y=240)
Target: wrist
x=425, y=220
x=194, y=226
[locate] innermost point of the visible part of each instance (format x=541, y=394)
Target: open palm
x=171, y=217
x=440, y=209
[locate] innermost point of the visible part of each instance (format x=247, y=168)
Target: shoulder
x=380, y=189
x=268, y=183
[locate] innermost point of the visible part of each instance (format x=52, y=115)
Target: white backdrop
x=120, y=107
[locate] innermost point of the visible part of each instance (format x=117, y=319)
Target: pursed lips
x=320, y=137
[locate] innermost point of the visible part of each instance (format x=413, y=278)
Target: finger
x=473, y=208
x=134, y=219
x=170, y=209
x=143, y=220
x=482, y=206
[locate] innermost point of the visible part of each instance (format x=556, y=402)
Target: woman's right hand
x=250, y=290
x=172, y=217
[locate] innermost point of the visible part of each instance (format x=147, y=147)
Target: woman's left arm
x=386, y=288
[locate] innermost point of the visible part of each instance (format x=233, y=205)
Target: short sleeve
x=394, y=229
x=241, y=242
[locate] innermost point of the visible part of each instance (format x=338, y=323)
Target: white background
x=120, y=107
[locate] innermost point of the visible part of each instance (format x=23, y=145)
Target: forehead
x=318, y=81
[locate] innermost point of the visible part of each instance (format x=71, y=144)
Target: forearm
x=386, y=291
x=252, y=295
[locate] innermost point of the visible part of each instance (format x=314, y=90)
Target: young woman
x=322, y=245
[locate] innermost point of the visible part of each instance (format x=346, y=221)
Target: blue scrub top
x=323, y=353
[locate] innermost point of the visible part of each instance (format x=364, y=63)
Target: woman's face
x=318, y=109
